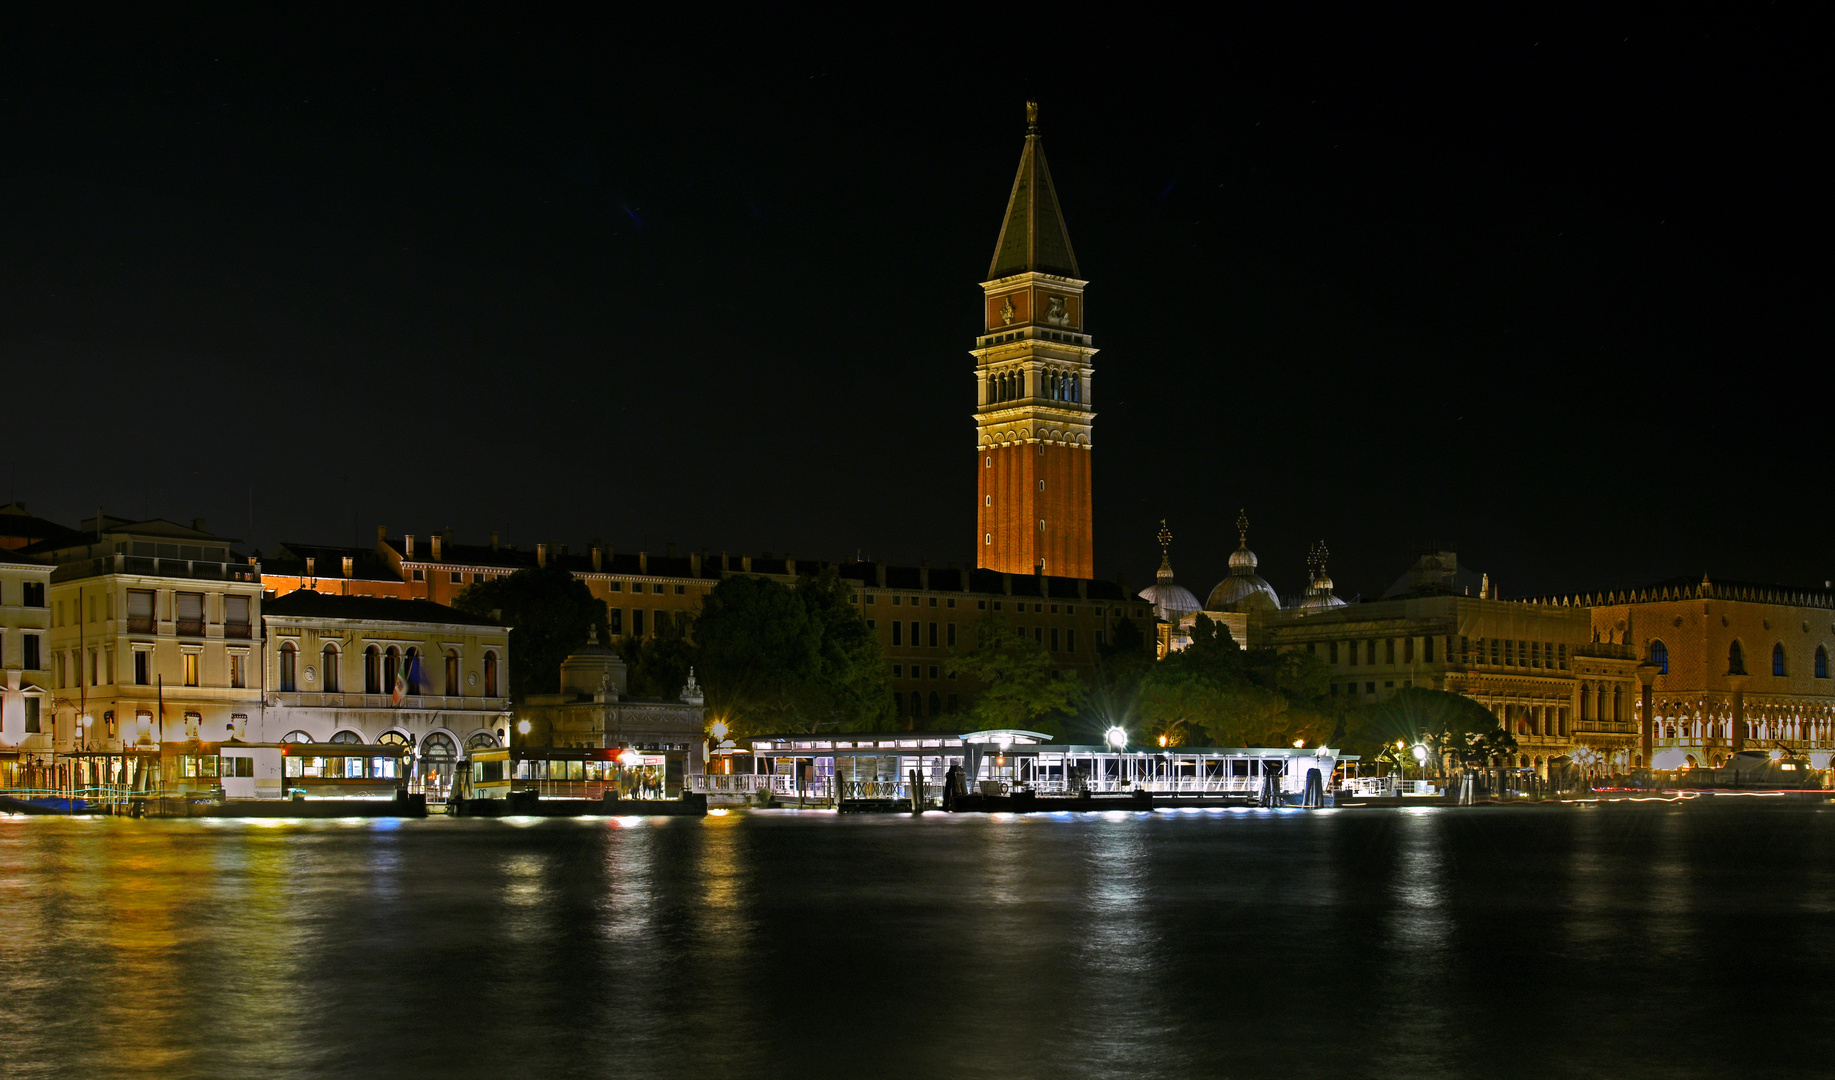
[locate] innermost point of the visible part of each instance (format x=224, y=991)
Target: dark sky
x=1554, y=293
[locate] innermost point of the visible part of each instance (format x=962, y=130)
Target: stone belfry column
x=1034, y=508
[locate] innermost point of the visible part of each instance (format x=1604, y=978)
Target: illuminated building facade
x=25, y=700
x=332, y=666
x=1033, y=380
x=1729, y=666
x=594, y=709
x=143, y=612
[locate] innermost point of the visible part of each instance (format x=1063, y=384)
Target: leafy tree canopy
x=1227, y=696
x=782, y=658
x=1447, y=723
x=1019, y=687
x=549, y=613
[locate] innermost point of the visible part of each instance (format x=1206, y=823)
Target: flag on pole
x=400, y=689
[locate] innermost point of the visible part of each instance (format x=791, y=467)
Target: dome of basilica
x=1171, y=601
x=1244, y=589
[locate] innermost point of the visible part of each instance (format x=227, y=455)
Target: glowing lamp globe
x=1116, y=737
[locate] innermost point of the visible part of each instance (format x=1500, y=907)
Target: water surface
x=1647, y=940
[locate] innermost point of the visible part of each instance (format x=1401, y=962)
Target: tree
x=1237, y=697
x=549, y=612
x=657, y=666
x=1019, y=687
x=783, y=658
x=1444, y=722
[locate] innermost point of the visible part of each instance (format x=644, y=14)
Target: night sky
x=1557, y=294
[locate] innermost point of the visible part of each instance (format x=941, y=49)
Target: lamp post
x=522, y=728
x=1117, y=738
x=1420, y=757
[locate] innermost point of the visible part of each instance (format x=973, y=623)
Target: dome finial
x=1242, y=527
x=1165, y=539
x=1032, y=118
x=1315, y=559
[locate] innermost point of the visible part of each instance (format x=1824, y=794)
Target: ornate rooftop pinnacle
x=1032, y=118
x=1315, y=559
x=1032, y=235
x=1242, y=528
x=1165, y=539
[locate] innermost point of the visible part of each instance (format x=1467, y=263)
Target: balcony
x=140, y=624
x=190, y=627
x=242, y=630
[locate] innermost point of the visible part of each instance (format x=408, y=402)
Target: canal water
x=1633, y=940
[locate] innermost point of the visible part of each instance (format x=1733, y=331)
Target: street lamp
x=1420, y=757
x=522, y=728
x=1116, y=737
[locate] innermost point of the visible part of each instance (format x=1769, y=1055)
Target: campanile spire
x=1032, y=375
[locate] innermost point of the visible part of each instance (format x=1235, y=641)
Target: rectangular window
x=1070, y=640
x=1038, y=635
x=872, y=624
x=188, y=611
x=457, y=577
x=898, y=632
x=1427, y=650
x=933, y=671
x=952, y=635
x=1331, y=654
x=614, y=621
x=143, y=662
x=1369, y=688
x=236, y=618
x=662, y=621
x=420, y=575
x=898, y=671
x=235, y=669
x=34, y=594
x=915, y=640
x=637, y=622
x=981, y=605
x=614, y=586
x=1054, y=639
x=933, y=635
x=681, y=590
x=1099, y=639
x=896, y=600
x=191, y=669
x=1561, y=656
x=657, y=588
x=1408, y=650
x=1389, y=651
x=31, y=713
x=140, y=611
x=951, y=603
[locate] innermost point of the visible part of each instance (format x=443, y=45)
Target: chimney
x=669, y=549
x=1006, y=583
x=745, y=564
x=196, y=523
x=924, y=577
x=563, y=550
x=694, y=564
x=643, y=562
x=598, y=559
x=493, y=541
x=789, y=564
x=312, y=566
x=350, y=566
x=1083, y=589
x=407, y=546
x=879, y=574
x=382, y=533
x=541, y=554
x=435, y=541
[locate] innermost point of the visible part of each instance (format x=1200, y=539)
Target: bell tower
x=1032, y=384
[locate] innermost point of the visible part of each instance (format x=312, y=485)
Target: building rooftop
x=307, y=604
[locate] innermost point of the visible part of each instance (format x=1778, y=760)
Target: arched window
x=1736, y=659
x=296, y=737
x=483, y=740
x=414, y=675
x=1659, y=655
x=329, y=665
x=391, y=666
x=490, y=674
x=347, y=736
x=1777, y=659
x=372, y=670
x=394, y=738
x=1822, y=662
x=452, y=673
x=438, y=747
x=289, y=667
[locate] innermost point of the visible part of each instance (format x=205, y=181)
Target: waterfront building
x=594, y=710
x=1528, y=663
x=152, y=637
x=385, y=671
x=25, y=697
x=1728, y=666
x=1033, y=377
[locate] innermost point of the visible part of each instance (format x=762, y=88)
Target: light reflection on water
x=1436, y=943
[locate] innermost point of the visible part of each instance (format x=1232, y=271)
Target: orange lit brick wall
x=1008, y=537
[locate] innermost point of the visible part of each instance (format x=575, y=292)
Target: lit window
x=1777, y=659
x=1822, y=662
x=1659, y=655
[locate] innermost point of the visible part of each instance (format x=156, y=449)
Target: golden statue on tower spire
x=1032, y=118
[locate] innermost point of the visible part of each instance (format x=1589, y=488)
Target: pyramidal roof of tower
x=1033, y=236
